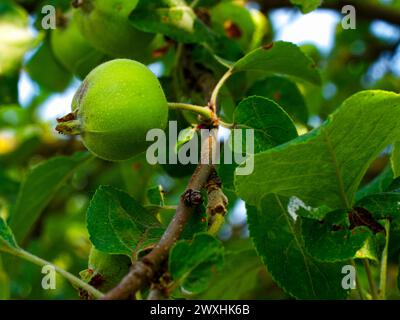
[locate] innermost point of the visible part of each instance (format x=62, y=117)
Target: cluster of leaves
x=312, y=206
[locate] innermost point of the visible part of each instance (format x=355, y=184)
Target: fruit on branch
x=114, y=108
x=247, y=27
x=104, y=270
x=106, y=26
x=72, y=50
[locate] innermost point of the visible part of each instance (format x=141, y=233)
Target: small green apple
x=114, y=108
x=72, y=50
x=247, y=27
x=105, y=24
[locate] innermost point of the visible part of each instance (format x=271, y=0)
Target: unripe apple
x=104, y=270
x=114, y=108
x=72, y=50
x=247, y=27
x=105, y=24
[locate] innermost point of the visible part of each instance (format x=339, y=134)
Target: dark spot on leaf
x=204, y=15
x=268, y=46
x=277, y=96
x=232, y=30
x=362, y=217
x=160, y=52
x=77, y=3
x=336, y=227
x=96, y=280
x=136, y=166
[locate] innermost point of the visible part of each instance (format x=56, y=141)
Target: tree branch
x=365, y=10
x=144, y=270
x=157, y=293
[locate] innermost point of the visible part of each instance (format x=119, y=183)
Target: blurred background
x=35, y=89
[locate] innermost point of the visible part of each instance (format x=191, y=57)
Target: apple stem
x=214, y=95
x=203, y=111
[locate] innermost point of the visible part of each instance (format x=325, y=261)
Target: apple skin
x=72, y=50
x=105, y=24
x=116, y=105
x=104, y=270
x=247, y=27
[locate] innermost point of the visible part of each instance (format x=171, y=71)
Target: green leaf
x=156, y=195
x=118, y=224
x=197, y=222
x=39, y=187
x=8, y=187
x=285, y=93
x=185, y=136
x=5, y=283
x=13, y=116
x=173, y=18
x=398, y=275
x=307, y=6
x=272, y=125
x=394, y=185
x=133, y=170
x=7, y=240
x=331, y=240
x=192, y=263
x=241, y=268
x=279, y=243
x=396, y=159
x=282, y=58
x=325, y=166
x=9, y=89
x=377, y=185
x=56, y=78
x=385, y=205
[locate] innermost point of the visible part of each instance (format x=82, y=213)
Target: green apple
x=104, y=270
x=114, y=108
x=72, y=50
x=247, y=27
x=105, y=24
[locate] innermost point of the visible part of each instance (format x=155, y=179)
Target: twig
x=217, y=204
x=70, y=277
x=144, y=270
x=214, y=95
x=217, y=201
x=358, y=282
x=205, y=112
x=157, y=292
x=371, y=281
x=383, y=272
